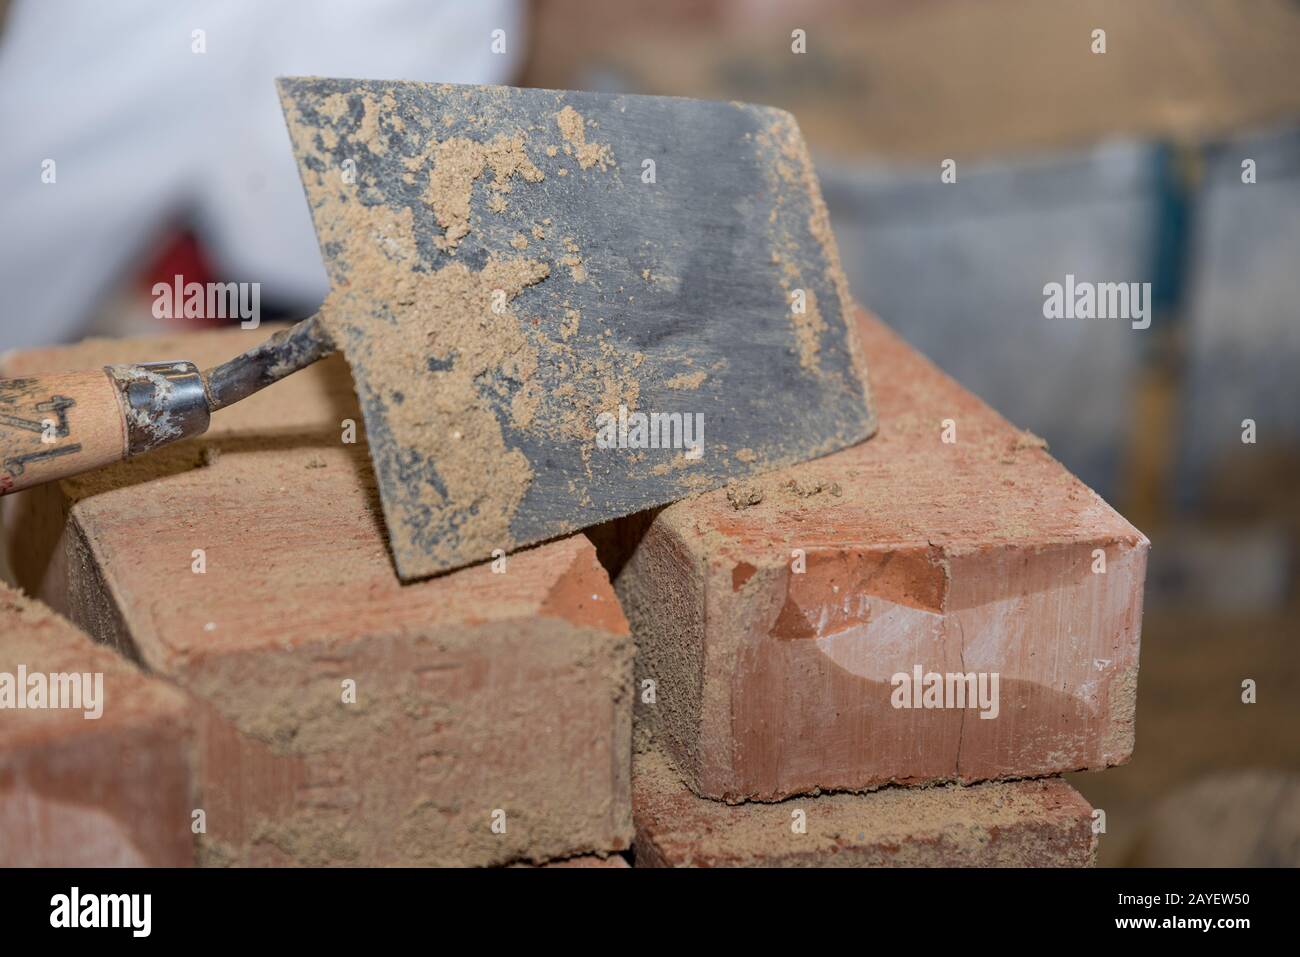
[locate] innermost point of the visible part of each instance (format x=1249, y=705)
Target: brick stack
x=283, y=683
x=479, y=718
x=772, y=618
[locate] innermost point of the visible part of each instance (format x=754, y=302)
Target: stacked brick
x=291, y=703
x=939, y=606
x=479, y=718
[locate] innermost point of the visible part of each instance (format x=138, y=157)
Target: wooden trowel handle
x=54, y=426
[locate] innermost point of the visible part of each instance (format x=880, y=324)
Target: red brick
x=476, y=691
x=615, y=861
x=975, y=556
x=1042, y=823
x=112, y=791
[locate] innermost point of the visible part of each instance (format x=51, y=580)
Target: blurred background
x=170, y=158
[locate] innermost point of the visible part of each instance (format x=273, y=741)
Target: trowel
x=558, y=308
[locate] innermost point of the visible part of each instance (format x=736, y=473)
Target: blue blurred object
x=1243, y=348
x=959, y=271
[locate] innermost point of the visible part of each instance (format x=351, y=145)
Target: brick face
x=112, y=791
x=1044, y=823
x=773, y=629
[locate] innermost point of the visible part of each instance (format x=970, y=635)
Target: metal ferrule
x=162, y=402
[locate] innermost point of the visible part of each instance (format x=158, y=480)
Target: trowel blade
x=563, y=307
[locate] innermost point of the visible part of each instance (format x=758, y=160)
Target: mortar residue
x=457, y=163
x=792, y=170
x=438, y=347
x=574, y=130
